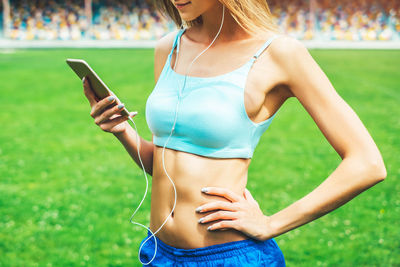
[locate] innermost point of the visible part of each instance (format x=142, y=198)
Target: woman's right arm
x=107, y=115
x=128, y=140
x=110, y=120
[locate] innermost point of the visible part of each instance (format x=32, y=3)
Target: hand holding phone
x=107, y=110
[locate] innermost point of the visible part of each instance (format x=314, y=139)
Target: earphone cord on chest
x=163, y=158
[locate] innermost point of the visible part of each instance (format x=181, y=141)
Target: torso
x=264, y=95
x=190, y=174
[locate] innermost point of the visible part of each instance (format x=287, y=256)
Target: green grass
x=67, y=190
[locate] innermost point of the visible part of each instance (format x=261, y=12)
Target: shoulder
x=285, y=46
x=301, y=73
x=289, y=53
x=164, y=44
x=161, y=51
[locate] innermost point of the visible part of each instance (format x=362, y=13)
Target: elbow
x=150, y=171
x=151, y=160
x=376, y=170
x=370, y=166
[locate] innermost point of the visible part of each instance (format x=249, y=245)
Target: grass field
x=60, y=207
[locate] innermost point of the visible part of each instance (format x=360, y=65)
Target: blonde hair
x=252, y=15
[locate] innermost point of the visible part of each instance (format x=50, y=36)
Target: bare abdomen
x=190, y=174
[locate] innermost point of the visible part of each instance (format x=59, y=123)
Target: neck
x=212, y=21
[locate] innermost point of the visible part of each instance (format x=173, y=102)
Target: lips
x=181, y=5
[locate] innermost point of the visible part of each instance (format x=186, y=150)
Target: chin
x=188, y=18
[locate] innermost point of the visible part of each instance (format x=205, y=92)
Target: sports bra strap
x=265, y=46
x=177, y=42
x=255, y=57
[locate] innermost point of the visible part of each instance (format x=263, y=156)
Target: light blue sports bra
x=212, y=119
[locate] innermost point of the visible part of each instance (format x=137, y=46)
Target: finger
x=250, y=197
x=219, y=215
x=224, y=225
x=87, y=90
x=247, y=195
x=106, y=115
x=222, y=192
x=217, y=205
x=108, y=125
x=133, y=114
x=100, y=106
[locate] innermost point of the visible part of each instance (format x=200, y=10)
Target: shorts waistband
x=213, y=252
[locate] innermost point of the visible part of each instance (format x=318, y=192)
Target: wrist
x=122, y=134
x=271, y=228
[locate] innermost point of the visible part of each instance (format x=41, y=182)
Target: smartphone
x=82, y=69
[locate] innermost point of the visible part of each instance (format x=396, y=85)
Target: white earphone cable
x=163, y=152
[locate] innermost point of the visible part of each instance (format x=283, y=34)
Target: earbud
x=180, y=92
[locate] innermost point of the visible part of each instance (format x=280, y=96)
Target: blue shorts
x=247, y=252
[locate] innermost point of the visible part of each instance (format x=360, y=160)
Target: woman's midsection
x=190, y=173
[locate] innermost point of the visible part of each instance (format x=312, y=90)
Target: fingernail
x=133, y=113
x=120, y=106
x=111, y=98
x=204, y=190
x=83, y=79
x=209, y=228
x=201, y=220
x=198, y=209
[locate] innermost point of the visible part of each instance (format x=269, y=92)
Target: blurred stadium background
x=84, y=20
x=67, y=190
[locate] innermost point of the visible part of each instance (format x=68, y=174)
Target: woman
x=212, y=121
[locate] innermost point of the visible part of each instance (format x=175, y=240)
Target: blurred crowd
x=338, y=19
x=67, y=20
x=137, y=20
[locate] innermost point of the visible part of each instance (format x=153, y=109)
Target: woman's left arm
x=361, y=166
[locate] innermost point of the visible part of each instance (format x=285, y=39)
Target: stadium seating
x=137, y=20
